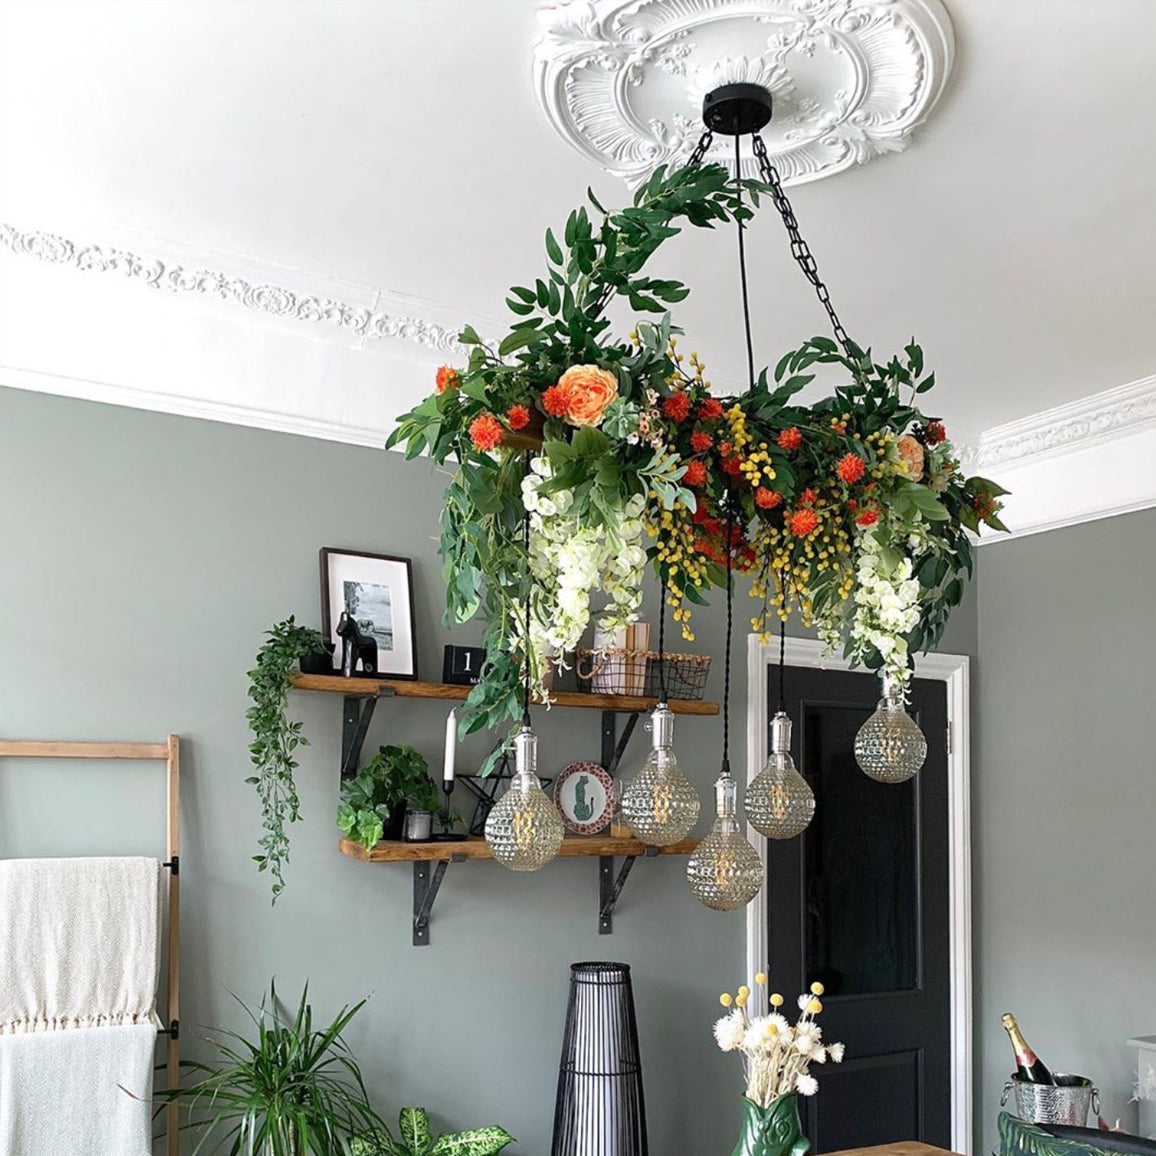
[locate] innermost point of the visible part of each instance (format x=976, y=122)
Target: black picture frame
x=328, y=553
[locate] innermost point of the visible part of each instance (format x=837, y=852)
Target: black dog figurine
x=355, y=647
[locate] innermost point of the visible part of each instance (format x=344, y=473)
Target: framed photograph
x=584, y=794
x=377, y=591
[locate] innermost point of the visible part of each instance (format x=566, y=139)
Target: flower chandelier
x=582, y=458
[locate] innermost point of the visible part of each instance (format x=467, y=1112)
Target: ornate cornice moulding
x=1118, y=412
x=623, y=80
x=272, y=300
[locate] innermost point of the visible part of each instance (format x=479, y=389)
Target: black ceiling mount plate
x=737, y=109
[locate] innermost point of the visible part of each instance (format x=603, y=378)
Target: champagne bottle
x=1029, y=1067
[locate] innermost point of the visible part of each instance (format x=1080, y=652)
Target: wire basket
x=617, y=670
x=1065, y=1102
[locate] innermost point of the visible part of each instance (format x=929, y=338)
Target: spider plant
x=293, y=1090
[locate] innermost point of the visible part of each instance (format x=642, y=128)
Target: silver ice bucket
x=1065, y=1102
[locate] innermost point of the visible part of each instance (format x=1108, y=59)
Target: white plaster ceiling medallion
x=623, y=80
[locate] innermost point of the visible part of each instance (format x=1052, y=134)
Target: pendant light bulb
x=524, y=829
x=724, y=872
x=890, y=747
x=780, y=803
x=660, y=805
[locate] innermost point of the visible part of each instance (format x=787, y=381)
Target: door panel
x=860, y=903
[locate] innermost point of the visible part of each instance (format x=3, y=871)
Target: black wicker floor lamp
x=600, y=1109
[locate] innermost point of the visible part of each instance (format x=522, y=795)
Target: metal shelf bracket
x=356, y=716
x=610, y=886
x=427, y=880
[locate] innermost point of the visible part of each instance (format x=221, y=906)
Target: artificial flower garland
x=852, y=511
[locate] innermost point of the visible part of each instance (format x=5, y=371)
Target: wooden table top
x=899, y=1148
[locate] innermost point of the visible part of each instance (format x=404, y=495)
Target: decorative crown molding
x=1100, y=417
x=623, y=80
x=264, y=297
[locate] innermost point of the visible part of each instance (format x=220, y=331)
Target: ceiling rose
x=624, y=80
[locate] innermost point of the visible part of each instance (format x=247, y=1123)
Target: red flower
x=808, y=497
x=802, y=522
x=676, y=407
x=851, y=468
x=867, y=518
x=710, y=410
x=790, y=439
x=556, y=401
x=700, y=441
x=518, y=417
x=486, y=432
x=983, y=504
x=732, y=465
x=695, y=474
x=767, y=499
x=447, y=378
x=934, y=433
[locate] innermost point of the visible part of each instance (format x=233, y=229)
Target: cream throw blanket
x=67, y=1093
x=79, y=943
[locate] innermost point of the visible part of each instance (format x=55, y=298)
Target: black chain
x=704, y=143
x=799, y=248
x=743, y=264
x=529, y=589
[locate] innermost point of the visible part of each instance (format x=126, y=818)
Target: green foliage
x=416, y=1139
x=292, y=1090
x=396, y=774
x=275, y=739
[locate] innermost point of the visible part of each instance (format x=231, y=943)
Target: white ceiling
x=397, y=146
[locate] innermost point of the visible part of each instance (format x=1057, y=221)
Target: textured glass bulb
x=524, y=829
x=890, y=747
x=724, y=871
x=660, y=804
x=779, y=802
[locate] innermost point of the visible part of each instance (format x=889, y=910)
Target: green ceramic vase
x=773, y=1131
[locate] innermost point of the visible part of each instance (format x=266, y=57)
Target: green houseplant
x=292, y=1090
x=275, y=739
x=416, y=1139
x=373, y=802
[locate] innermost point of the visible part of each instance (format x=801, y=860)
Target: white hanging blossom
x=570, y=560
x=886, y=606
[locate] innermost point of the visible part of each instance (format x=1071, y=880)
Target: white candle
x=451, y=746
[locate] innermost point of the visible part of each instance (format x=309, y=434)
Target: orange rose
x=590, y=390
x=910, y=457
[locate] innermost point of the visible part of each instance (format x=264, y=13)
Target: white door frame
x=954, y=671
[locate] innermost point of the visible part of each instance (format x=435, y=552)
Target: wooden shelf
x=403, y=688
x=476, y=848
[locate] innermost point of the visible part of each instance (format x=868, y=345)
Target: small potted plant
x=416, y=1138
x=286, y=1088
x=375, y=801
x=421, y=803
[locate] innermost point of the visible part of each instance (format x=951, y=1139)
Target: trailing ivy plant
x=416, y=1139
x=275, y=739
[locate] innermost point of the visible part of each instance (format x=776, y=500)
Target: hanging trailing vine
x=276, y=739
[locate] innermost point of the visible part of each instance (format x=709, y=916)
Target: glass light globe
x=524, y=829
x=780, y=803
x=890, y=747
x=724, y=872
x=660, y=805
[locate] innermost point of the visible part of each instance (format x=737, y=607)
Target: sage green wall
x=143, y=556
x=1064, y=819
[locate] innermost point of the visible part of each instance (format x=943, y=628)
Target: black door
x=860, y=902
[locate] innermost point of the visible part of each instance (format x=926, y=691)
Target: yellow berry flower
x=817, y=988
x=761, y=978
x=744, y=991
x=726, y=999
x=776, y=1000
x=741, y=1001
x=814, y=1007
